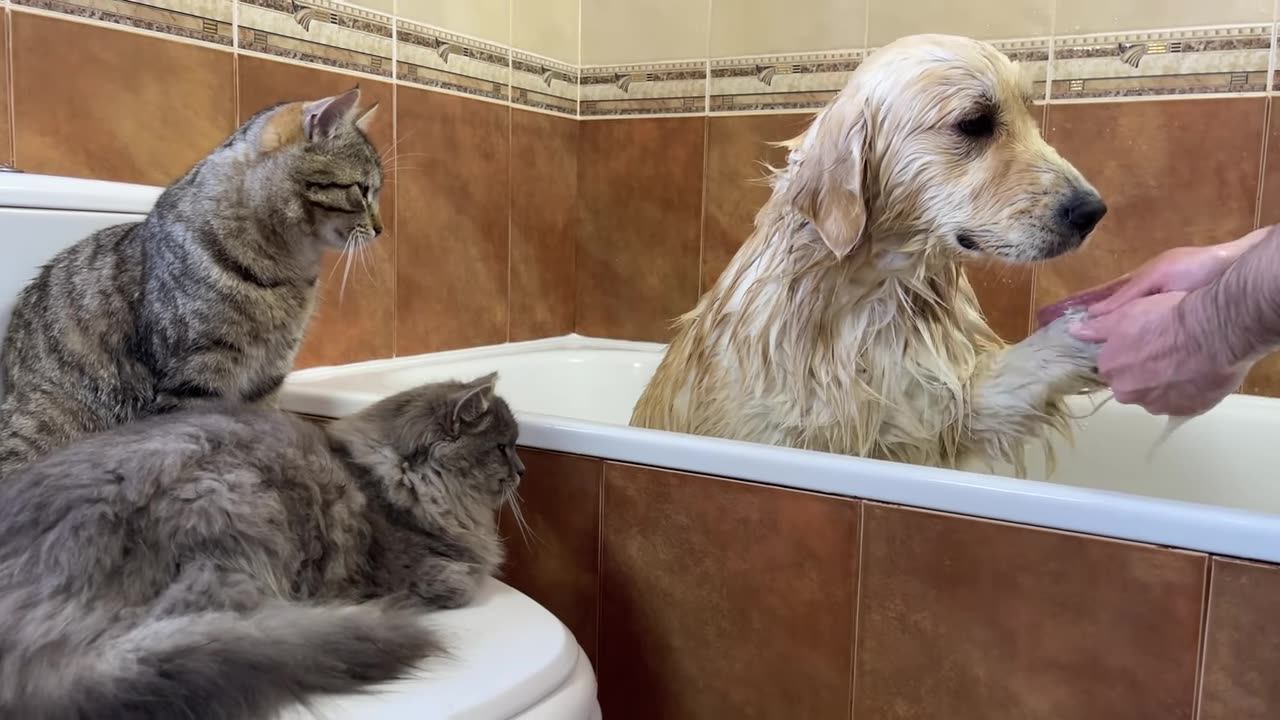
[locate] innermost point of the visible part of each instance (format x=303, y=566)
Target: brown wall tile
x=963, y=618
x=722, y=599
x=738, y=157
x=639, y=212
x=556, y=561
x=453, y=211
x=102, y=103
x=353, y=322
x=1176, y=172
x=544, y=196
x=1004, y=291
x=1265, y=377
x=6, y=137
x=1242, y=643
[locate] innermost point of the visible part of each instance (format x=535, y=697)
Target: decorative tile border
x=1033, y=56
x=436, y=58
x=780, y=82
x=1194, y=61
x=649, y=89
x=542, y=83
x=319, y=32
x=204, y=20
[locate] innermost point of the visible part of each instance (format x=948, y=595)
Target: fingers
x=1132, y=288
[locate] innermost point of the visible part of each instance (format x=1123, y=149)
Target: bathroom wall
x=703, y=597
x=478, y=120
x=589, y=166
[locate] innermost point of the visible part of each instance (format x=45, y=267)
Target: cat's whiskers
x=512, y=499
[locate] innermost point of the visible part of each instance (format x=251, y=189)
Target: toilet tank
x=42, y=214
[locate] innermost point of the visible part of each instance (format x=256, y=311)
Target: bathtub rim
x=1108, y=514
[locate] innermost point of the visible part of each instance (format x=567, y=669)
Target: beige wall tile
x=1077, y=17
x=762, y=27
x=484, y=19
x=382, y=6
x=628, y=31
x=546, y=27
x=982, y=19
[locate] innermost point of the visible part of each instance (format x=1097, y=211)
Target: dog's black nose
x=1082, y=212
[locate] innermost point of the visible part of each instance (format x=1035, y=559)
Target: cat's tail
x=216, y=666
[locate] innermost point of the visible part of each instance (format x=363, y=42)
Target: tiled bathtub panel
x=555, y=559
x=968, y=619
x=649, y=89
x=1191, y=61
x=1241, y=676
x=204, y=20
x=320, y=32
x=722, y=599
x=435, y=58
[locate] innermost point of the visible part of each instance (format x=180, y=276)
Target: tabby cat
x=226, y=563
x=207, y=298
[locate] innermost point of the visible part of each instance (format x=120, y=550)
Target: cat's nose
x=376, y=223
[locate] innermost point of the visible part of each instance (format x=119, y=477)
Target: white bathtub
x=1209, y=488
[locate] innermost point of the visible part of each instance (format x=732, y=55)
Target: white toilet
x=509, y=658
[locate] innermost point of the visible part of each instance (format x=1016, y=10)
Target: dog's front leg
x=1019, y=393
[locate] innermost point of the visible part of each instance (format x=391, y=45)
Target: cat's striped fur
x=207, y=298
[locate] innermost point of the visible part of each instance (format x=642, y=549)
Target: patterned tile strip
x=648, y=89
x=436, y=58
x=538, y=82
x=204, y=20
x=1181, y=62
x=320, y=32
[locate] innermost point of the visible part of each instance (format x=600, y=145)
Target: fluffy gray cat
x=224, y=564
x=205, y=299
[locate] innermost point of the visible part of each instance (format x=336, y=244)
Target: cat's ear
x=366, y=120
x=321, y=119
x=474, y=400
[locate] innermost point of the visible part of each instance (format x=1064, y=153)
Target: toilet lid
x=506, y=653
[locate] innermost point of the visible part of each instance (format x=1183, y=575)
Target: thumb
x=1094, y=330
x=1132, y=288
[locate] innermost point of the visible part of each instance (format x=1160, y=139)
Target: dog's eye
x=977, y=126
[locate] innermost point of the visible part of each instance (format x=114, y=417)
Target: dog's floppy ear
x=827, y=180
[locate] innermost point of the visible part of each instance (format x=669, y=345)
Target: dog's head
x=934, y=136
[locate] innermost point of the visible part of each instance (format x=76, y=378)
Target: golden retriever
x=845, y=323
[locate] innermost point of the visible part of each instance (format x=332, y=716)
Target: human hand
x=1181, y=269
x=1151, y=358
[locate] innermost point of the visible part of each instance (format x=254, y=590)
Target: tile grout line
x=1197, y=694
x=395, y=190
x=11, y=97
x=511, y=120
x=1267, y=110
x=600, y=573
x=857, y=607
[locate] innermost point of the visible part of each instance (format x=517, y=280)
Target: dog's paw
x=1069, y=364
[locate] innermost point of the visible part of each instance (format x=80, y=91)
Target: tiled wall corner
x=646, y=89
x=321, y=32
x=204, y=20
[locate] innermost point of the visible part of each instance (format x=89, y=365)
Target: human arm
x=1180, y=354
